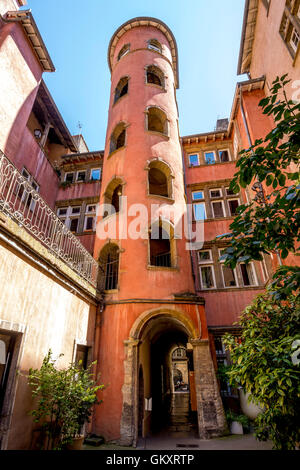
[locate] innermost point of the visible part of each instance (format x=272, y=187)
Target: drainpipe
x=250, y=144
x=99, y=310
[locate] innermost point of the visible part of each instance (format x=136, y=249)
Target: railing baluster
x=27, y=207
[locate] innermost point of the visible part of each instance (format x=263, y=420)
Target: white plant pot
x=248, y=408
x=236, y=428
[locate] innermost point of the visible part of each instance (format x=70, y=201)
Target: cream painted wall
x=53, y=317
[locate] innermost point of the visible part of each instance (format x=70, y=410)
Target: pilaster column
x=211, y=416
x=129, y=390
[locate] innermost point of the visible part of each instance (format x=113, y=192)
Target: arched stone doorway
x=152, y=338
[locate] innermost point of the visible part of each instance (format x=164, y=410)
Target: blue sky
x=77, y=34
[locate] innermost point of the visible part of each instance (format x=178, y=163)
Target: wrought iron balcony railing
x=22, y=203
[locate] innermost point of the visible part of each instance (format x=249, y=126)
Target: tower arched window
x=157, y=121
x=160, y=178
x=125, y=49
x=108, y=267
x=121, y=89
x=112, y=196
x=155, y=76
x=118, y=137
x=155, y=45
x=162, y=248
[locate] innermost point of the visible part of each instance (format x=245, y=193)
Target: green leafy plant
x=239, y=418
x=64, y=400
x=262, y=364
x=65, y=184
x=270, y=223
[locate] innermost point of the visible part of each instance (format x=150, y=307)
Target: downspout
x=250, y=144
x=99, y=310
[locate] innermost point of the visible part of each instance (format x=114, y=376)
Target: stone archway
x=211, y=418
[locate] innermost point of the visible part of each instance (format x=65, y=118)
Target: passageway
x=170, y=365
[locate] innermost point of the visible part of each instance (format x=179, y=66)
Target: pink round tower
x=151, y=308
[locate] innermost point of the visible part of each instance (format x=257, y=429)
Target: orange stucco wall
x=136, y=280
x=116, y=324
x=270, y=55
x=130, y=162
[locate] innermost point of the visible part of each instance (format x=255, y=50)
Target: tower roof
x=145, y=21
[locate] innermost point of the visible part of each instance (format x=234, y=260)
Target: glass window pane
x=229, y=278
x=69, y=177
x=25, y=174
x=73, y=225
x=233, y=205
x=95, y=174
x=224, y=156
x=194, y=160
x=247, y=274
x=204, y=255
x=207, y=277
x=210, y=158
x=89, y=223
x=229, y=192
x=81, y=176
x=295, y=38
x=199, y=211
x=197, y=195
x=218, y=209
x=62, y=211
x=75, y=210
x=215, y=192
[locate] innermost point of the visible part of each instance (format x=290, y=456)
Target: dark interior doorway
x=171, y=410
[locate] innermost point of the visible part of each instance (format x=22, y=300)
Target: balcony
x=25, y=206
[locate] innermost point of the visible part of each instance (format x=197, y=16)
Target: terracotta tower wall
x=141, y=147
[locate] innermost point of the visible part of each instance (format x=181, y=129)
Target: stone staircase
x=179, y=415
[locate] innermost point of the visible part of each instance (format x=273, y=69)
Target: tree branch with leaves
x=269, y=224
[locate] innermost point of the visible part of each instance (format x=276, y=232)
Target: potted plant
x=64, y=402
x=237, y=422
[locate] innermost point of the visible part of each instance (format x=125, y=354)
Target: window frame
x=228, y=201
x=230, y=195
x=193, y=155
x=25, y=196
x=126, y=51
x=69, y=216
x=90, y=214
x=224, y=150
x=205, y=261
x=199, y=199
x=222, y=272
x=91, y=174
x=69, y=173
x=253, y=273
x=215, y=197
x=205, y=265
x=77, y=173
x=291, y=42
x=215, y=157
x=194, y=212
x=212, y=202
x=154, y=47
